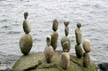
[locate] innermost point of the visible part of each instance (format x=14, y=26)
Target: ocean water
x=93, y=15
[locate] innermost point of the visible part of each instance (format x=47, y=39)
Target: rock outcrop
x=36, y=62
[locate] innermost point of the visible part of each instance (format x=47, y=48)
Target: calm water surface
x=93, y=14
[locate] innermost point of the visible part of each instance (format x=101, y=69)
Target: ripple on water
x=91, y=13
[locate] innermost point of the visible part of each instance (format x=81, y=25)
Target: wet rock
x=103, y=66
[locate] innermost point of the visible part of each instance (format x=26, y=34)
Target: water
x=91, y=13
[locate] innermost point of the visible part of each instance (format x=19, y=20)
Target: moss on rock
x=36, y=62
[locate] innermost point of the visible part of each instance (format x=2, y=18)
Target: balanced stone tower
x=26, y=41
x=78, y=49
x=54, y=36
x=86, y=58
x=65, y=41
x=49, y=51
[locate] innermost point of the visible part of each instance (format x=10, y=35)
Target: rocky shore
x=36, y=62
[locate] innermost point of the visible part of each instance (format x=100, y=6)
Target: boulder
x=103, y=66
x=36, y=62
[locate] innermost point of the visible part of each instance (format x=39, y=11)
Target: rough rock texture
x=36, y=62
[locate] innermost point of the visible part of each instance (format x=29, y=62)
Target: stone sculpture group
x=82, y=49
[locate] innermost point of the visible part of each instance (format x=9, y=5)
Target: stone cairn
x=78, y=49
x=26, y=41
x=65, y=41
x=49, y=51
x=54, y=36
x=86, y=57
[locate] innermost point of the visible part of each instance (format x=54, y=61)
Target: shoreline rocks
x=103, y=66
x=54, y=35
x=36, y=62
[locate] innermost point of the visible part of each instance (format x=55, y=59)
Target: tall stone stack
x=65, y=41
x=26, y=41
x=49, y=51
x=86, y=57
x=54, y=36
x=78, y=49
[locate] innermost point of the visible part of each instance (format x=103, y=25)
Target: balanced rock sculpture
x=65, y=60
x=65, y=41
x=26, y=41
x=86, y=58
x=49, y=51
x=78, y=49
x=54, y=36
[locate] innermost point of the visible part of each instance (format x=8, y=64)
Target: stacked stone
x=49, y=51
x=86, y=58
x=78, y=49
x=54, y=36
x=26, y=41
x=65, y=41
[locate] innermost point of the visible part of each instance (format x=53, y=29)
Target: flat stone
x=26, y=62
